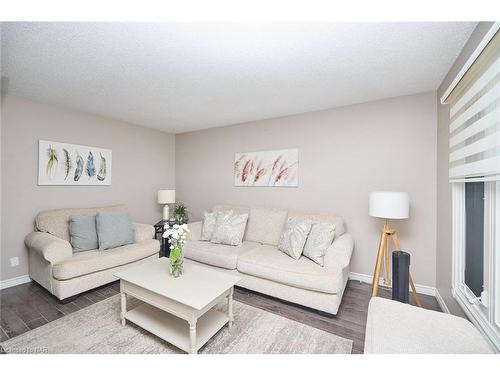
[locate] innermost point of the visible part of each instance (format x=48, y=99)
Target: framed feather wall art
x=69, y=164
x=267, y=168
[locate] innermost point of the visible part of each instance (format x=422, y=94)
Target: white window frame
x=481, y=311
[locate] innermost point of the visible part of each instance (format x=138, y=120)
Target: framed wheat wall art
x=70, y=164
x=267, y=168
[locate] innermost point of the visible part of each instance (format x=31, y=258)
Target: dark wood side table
x=159, y=229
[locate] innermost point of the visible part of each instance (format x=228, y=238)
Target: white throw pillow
x=229, y=228
x=319, y=240
x=294, y=236
x=207, y=229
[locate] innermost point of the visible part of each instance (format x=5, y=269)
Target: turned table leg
x=192, y=337
x=124, y=307
x=230, y=308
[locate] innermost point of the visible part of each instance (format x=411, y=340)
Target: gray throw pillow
x=319, y=240
x=207, y=229
x=294, y=236
x=83, y=233
x=114, y=229
x=229, y=228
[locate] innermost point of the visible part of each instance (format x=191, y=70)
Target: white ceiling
x=179, y=77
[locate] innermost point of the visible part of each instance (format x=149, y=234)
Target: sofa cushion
x=294, y=236
x=218, y=255
x=208, y=226
x=322, y=218
x=114, y=229
x=56, y=222
x=319, y=240
x=83, y=232
x=91, y=261
x=269, y=263
x=265, y=225
x=143, y=232
x=229, y=228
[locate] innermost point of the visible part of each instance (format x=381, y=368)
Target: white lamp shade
x=389, y=204
x=166, y=196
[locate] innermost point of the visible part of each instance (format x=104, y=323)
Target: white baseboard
x=441, y=303
x=422, y=289
x=4, y=284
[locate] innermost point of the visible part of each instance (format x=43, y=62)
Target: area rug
x=97, y=329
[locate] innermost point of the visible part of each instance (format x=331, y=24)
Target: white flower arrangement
x=177, y=236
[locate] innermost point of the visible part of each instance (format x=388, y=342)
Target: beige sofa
x=53, y=264
x=396, y=328
x=265, y=269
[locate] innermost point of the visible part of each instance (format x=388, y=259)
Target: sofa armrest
x=49, y=247
x=143, y=232
x=340, y=251
x=194, y=231
x=397, y=328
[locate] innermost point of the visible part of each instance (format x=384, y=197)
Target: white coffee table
x=178, y=310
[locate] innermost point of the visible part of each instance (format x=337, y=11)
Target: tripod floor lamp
x=389, y=205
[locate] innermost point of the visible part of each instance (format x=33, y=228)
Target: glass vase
x=176, y=267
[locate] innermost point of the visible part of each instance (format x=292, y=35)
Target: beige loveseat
x=53, y=264
x=265, y=269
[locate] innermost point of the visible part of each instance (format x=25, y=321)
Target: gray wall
x=143, y=162
x=344, y=154
x=444, y=208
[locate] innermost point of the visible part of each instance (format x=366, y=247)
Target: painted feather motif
x=282, y=175
x=247, y=170
x=102, y=169
x=79, y=167
x=285, y=173
x=237, y=165
x=259, y=172
x=68, y=163
x=90, y=170
x=52, y=163
x=275, y=165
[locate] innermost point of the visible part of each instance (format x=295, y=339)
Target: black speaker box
x=400, y=276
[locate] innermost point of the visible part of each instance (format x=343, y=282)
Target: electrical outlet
x=14, y=262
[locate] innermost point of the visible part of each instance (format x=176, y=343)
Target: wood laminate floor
x=28, y=306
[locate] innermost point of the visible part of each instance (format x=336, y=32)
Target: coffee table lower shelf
x=176, y=330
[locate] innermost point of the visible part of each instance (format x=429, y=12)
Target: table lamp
x=388, y=205
x=166, y=197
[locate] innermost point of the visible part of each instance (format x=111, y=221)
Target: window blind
x=475, y=118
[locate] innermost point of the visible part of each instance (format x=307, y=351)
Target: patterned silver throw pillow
x=207, y=229
x=294, y=236
x=319, y=240
x=229, y=228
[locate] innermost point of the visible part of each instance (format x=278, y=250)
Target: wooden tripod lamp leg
x=397, y=246
x=376, y=260
x=387, y=278
x=378, y=265
x=414, y=290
